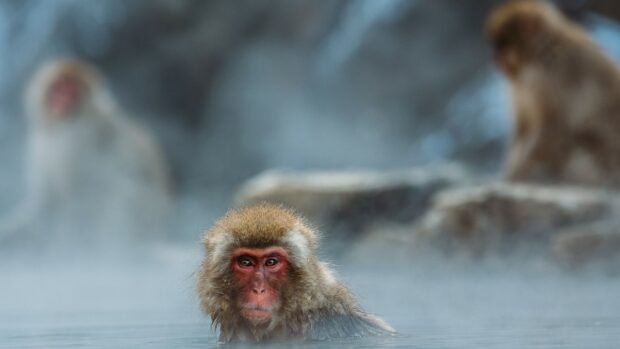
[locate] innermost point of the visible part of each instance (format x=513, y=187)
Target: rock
x=350, y=200
x=498, y=217
x=382, y=239
x=594, y=246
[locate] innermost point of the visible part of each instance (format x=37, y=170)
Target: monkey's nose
x=258, y=290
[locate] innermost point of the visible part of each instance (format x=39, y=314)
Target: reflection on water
x=152, y=305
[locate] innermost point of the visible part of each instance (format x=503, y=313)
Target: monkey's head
x=60, y=91
x=519, y=32
x=255, y=259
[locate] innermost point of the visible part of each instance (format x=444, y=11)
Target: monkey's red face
x=64, y=96
x=259, y=274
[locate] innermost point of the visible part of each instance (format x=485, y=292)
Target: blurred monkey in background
x=565, y=94
x=91, y=172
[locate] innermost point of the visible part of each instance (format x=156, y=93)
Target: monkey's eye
x=271, y=261
x=244, y=261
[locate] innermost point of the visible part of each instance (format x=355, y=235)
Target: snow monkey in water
x=90, y=171
x=261, y=281
x=565, y=93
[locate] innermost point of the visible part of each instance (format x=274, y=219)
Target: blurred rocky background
x=235, y=88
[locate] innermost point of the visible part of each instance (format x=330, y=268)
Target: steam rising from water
x=145, y=297
x=359, y=17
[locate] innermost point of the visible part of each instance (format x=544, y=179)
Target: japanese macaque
x=90, y=171
x=261, y=281
x=565, y=93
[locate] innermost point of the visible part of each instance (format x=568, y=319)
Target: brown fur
x=313, y=305
x=258, y=227
x=566, y=96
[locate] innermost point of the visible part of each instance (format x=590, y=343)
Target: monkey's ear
x=217, y=245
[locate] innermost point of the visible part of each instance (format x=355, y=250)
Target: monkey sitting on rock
x=565, y=94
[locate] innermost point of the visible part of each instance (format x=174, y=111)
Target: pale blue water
x=152, y=305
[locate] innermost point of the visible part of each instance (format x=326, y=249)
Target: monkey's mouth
x=256, y=313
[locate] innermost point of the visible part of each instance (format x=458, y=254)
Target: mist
x=400, y=96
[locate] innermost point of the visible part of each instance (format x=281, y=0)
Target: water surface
x=152, y=305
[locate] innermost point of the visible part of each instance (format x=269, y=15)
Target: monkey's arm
x=518, y=166
x=541, y=140
x=354, y=324
x=36, y=204
x=537, y=159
